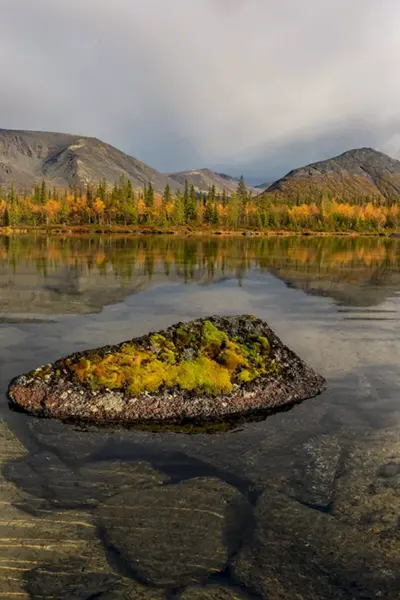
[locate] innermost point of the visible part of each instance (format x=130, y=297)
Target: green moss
x=264, y=342
x=212, y=338
x=183, y=335
x=157, y=342
x=218, y=363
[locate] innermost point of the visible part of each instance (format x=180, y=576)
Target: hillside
x=358, y=173
x=204, y=179
x=64, y=160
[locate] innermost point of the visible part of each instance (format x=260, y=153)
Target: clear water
x=305, y=504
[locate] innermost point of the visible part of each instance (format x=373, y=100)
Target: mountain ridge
x=66, y=160
x=203, y=179
x=359, y=172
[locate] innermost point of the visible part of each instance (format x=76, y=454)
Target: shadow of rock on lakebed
x=121, y=528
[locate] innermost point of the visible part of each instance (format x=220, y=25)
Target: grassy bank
x=183, y=231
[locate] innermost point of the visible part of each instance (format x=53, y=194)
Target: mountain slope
x=65, y=160
x=203, y=179
x=354, y=174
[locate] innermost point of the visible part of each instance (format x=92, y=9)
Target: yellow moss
x=203, y=374
x=168, y=356
x=231, y=356
x=150, y=377
x=157, y=341
x=217, y=364
x=245, y=376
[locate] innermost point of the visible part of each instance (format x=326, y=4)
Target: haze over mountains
x=65, y=161
x=203, y=179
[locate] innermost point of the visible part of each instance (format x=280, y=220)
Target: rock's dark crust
x=50, y=392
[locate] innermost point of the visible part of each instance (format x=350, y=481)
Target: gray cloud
x=258, y=85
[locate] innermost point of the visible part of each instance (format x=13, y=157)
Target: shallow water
x=305, y=504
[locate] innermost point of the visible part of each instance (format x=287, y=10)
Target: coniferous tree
x=241, y=195
x=166, y=202
x=178, y=215
x=186, y=202
x=43, y=193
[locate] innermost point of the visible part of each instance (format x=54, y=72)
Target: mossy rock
x=206, y=370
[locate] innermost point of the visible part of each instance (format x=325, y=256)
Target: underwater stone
x=303, y=553
x=237, y=367
x=177, y=534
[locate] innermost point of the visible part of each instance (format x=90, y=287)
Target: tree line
x=121, y=205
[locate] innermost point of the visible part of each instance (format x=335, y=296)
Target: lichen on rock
x=204, y=369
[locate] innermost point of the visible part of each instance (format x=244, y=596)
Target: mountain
x=64, y=160
x=357, y=173
x=203, y=179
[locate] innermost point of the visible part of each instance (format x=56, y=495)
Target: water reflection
x=81, y=275
x=302, y=505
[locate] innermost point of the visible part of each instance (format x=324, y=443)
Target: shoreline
x=186, y=232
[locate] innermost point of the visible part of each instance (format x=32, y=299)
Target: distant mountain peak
x=356, y=173
x=68, y=160
x=203, y=179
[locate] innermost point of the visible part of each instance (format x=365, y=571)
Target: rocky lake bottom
x=302, y=505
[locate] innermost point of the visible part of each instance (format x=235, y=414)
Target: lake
x=302, y=505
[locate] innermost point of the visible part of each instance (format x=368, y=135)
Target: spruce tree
x=178, y=215
x=43, y=193
x=241, y=195
x=186, y=202
x=149, y=197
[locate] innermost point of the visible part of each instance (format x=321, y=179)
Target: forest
x=120, y=205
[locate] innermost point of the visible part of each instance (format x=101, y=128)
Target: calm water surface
x=303, y=505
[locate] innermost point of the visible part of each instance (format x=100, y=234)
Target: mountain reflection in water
x=49, y=275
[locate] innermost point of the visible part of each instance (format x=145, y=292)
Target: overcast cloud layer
x=258, y=86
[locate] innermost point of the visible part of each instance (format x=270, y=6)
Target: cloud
x=221, y=81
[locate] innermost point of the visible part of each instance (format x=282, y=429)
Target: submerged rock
x=45, y=476
x=67, y=579
x=298, y=552
x=315, y=470
x=213, y=592
x=178, y=534
x=368, y=490
x=72, y=445
x=205, y=370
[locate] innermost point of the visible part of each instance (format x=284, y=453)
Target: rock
x=238, y=368
x=45, y=476
x=298, y=552
x=28, y=542
x=104, y=479
x=213, y=592
x=73, y=445
x=368, y=490
x=67, y=579
x=177, y=534
x=314, y=471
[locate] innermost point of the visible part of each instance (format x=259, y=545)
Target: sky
x=246, y=86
